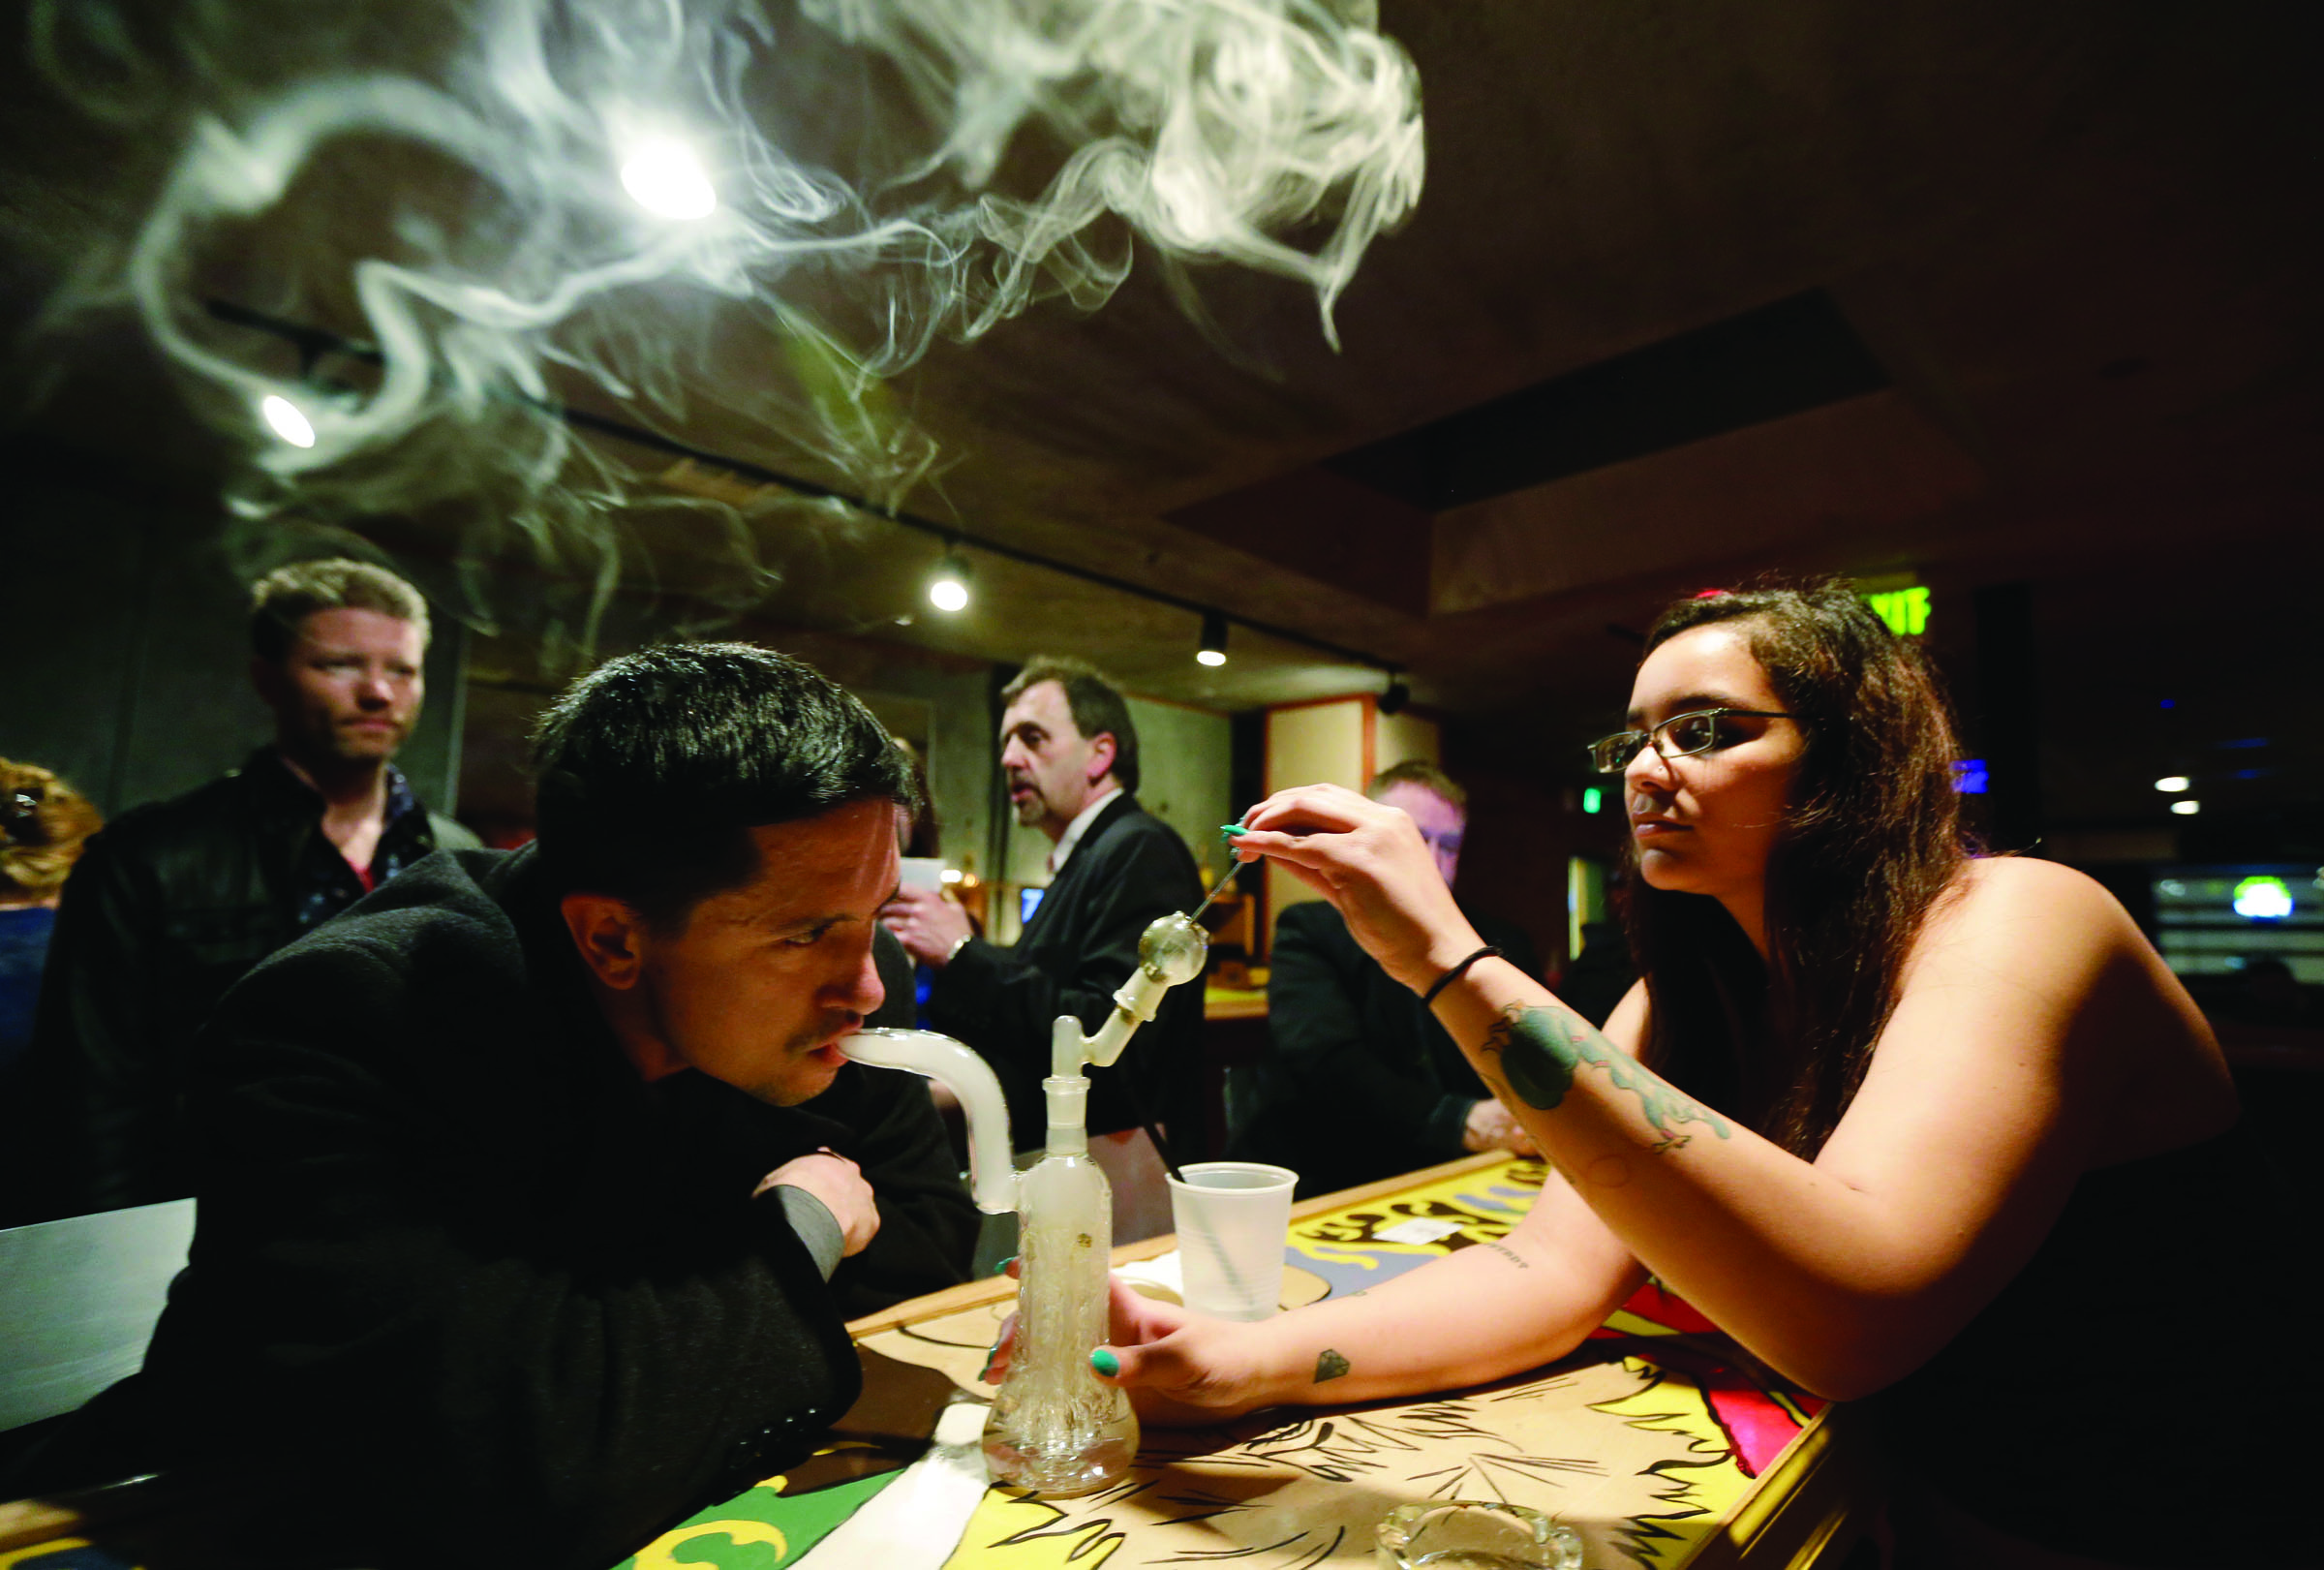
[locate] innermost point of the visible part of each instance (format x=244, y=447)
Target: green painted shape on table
x=804, y=1520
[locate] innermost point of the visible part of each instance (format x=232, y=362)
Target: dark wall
x=127, y=656
x=1524, y=778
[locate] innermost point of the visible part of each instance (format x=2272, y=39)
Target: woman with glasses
x=1914, y=1126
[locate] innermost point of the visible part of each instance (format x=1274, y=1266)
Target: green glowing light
x=1591, y=799
x=2263, y=899
x=1905, y=610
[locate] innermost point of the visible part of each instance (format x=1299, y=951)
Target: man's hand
x=930, y=926
x=1490, y=1128
x=840, y=1184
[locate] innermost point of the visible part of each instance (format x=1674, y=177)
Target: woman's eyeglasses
x=1679, y=736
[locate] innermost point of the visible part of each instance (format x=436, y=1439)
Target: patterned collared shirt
x=325, y=884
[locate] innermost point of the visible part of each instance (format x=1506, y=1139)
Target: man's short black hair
x=1096, y=706
x=651, y=770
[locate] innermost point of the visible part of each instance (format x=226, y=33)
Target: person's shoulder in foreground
x=531, y=1224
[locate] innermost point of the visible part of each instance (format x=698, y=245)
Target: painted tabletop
x=1648, y=1440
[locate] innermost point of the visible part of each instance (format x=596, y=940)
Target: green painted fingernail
x=1002, y=1268
x=1230, y=830
x=1104, y=1363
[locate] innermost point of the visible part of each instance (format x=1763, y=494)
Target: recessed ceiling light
x=2173, y=784
x=2187, y=807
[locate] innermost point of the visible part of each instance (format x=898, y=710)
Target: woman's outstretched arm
x=1490, y=1309
x=1980, y=1110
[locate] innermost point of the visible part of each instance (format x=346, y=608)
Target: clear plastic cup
x=1234, y=1221
x=1474, y=1534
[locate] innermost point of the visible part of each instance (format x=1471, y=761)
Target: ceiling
x=1974, y=291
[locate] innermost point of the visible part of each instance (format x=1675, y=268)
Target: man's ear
x=1101, y=757
x=610, y=934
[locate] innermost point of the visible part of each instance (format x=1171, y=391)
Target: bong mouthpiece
x=992, y=1180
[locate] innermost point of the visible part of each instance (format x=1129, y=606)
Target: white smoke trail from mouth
x=445, y=184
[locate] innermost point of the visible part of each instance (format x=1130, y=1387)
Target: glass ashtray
x=1474, y=1534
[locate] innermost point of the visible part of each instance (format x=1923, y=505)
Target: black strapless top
x=2143, y=1391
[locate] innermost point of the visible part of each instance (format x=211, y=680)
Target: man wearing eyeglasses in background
x=1358, y=1080
x=174, y=900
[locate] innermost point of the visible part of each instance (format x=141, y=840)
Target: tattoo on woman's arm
x=1540, y=1048
x=1330, y=1365
x=1509, y=1253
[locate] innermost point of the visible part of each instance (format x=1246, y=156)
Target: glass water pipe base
x=1081, y=1470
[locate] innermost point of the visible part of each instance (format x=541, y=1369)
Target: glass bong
x=1054, y=1428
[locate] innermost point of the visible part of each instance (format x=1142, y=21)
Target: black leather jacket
x=167, y=908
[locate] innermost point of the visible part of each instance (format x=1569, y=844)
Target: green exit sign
x=1905, y=610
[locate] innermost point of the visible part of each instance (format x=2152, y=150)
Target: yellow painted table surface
x=1656, y=1440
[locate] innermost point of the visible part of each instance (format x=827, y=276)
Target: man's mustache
x=839, y=1023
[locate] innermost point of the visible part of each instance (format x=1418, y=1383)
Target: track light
x=313, y=342
x=1395, y=695
x=2173, y=784
x=1214, y=651
x=948, y=590
x=2187, y=807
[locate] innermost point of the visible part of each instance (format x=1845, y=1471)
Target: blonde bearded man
x=177, y=899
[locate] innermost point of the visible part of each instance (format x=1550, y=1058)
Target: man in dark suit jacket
x=1358, y=1080
x=1070, y=754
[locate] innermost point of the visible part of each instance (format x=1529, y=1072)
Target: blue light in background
x=1969, y=776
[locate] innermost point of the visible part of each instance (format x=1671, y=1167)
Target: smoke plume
x=656, y=207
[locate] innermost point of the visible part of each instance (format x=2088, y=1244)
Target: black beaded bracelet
x=1487, y=952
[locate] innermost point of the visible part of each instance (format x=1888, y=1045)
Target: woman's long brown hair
x=1871, y=839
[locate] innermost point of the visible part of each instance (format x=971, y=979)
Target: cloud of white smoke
x=652, y=207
